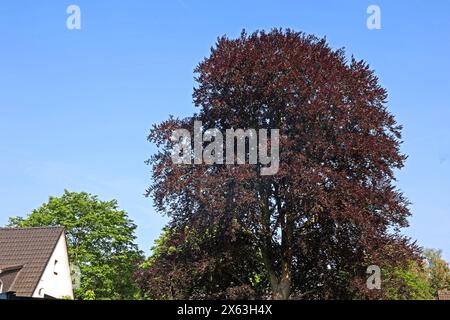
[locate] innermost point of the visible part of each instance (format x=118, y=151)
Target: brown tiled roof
x=24, y=254
x=444, y=294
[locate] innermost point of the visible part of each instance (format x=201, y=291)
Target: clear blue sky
x=76, y=105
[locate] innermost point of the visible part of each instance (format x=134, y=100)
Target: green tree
x=100, y=240
x=420, y=280
x=410, y=283
x=438, y=270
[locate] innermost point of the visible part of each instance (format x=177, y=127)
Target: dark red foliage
x=332, y=209
x=202, y=266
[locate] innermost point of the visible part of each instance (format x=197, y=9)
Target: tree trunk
x=281, y=285
x=281, y=288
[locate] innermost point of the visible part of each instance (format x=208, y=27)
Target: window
x=55, y=267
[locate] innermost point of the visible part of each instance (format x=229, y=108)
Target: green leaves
x=409, y=283
x=418, y=281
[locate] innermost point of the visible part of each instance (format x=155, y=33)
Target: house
x=34, y=263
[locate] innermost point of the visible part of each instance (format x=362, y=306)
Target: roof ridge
x=27, y=228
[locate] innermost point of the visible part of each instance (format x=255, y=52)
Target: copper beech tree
x=332, y=208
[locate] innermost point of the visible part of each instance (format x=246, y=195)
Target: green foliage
x=418, y=281
x=409, y=283
x=100, y=241
x=438, y=270
x=89, y=295
x=161, y=247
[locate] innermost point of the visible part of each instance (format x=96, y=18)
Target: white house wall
x=57, y=284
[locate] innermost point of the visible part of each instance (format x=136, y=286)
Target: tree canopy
x=332, y=208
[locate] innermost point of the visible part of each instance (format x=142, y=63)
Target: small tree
x=419, y=280
x=438, y=271
x=407, y=283
x=100, y=241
